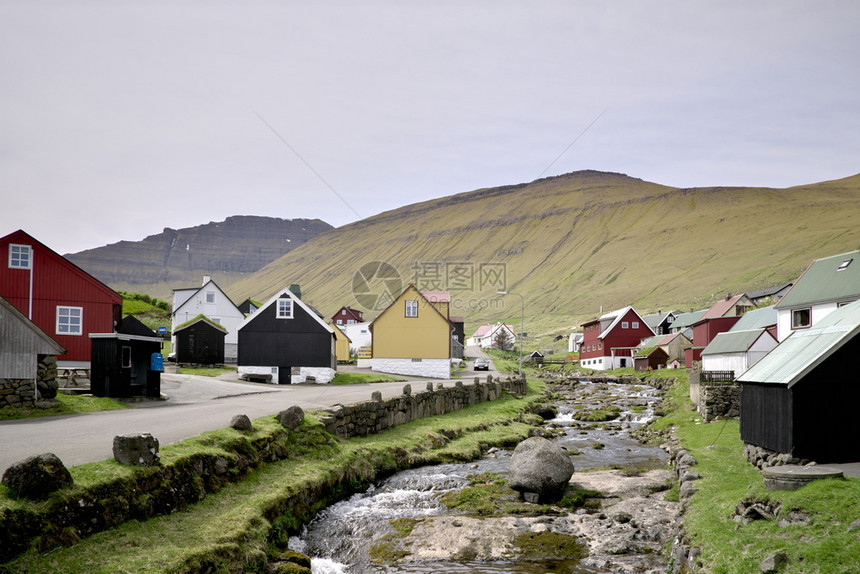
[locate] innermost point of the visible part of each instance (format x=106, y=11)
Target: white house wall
x=432, y=368
x=817, y=313
x=359, y=334
x=736, y=362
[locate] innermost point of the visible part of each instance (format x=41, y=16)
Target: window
x=800, y=318
x=126, y=357
x=845, y=264
x=285, y=309
x=350, y=321
x=343, y=311
x=635, y=324
x=411, y=308
x=20, y=256
x=70, y=320
x=210, y=297
x=625, y=324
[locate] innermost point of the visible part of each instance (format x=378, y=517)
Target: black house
x=800, y=399
x=127, y=363
x=285, y=341
x=201, y=341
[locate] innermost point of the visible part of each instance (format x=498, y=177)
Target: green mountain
x=572, y=245
x=226, y=251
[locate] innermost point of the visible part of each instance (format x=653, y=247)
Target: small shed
x=535, y=357
x=200, y=341
x=127, y=363
x=801, y=398
x=650, y=359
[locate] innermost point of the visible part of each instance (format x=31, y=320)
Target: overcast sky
x=118, y=119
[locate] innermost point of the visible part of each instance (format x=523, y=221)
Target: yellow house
x=341, y=344
x=413, y=336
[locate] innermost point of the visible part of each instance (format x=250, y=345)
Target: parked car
x=482, y=364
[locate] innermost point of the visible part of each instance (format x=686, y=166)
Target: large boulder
x=540, y=470
x=292, y=417
x=37, y=476
x=136, y=449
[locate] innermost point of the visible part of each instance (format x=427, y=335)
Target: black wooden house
x=127, y=363
x=200, y=341
x=286, y=341
x=801, y=398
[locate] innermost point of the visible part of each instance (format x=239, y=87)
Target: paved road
x=195, y=405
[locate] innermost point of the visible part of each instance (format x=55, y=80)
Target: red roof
x=720, y=308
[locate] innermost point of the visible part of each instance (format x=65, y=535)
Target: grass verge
x=236, y=528
x=342, y=378
x=69, y=405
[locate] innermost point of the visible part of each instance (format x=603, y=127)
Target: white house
x=827, y=284
x=486, y=336
x=211, y=301
x=359, y=334
x=737, y=350
x=574, y=342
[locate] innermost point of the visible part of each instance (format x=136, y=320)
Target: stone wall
x=718, y=401
x=376, y=415
x=20, y=393
x=763, y=458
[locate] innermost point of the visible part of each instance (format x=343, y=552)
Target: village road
x=195, y=405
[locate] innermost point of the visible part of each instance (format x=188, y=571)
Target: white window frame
x=625, y=325
x=635, y=324
x=65, y=314
x=20, y=256
x=411, y=308
x=210, y=298
x=284, y=309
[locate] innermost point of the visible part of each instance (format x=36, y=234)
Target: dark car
x=482, y=364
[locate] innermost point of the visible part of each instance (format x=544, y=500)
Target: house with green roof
x=737, y=350
x=801, y=398
x=827, y=284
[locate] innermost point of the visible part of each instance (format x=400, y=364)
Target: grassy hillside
x=578, y=243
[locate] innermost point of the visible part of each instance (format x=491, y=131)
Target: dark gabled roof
x=805, y=349
x=834, y=278
x=131, y=325
x=655, y=319
x=768, y=291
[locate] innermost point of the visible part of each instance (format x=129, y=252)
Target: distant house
x=458, y=337
x=127, y=363
x=737, y=350
x=609, y=342
x=359, y=335
x=248, y=306
x=801, y=398
x=62, y=299
x=200, y=341
x=650, y=359
x=769, y=294
x=534, y=357
x=488, y=336
x=704, y=331
x=211, y=301
x=661, y=321
x=347, y=316
x=412, y=336
x=674, y=344
x=827, y=284
x=23, y=346
x=342, y=344
x=285, y=342
x=761, y=318
x=574, y=341
x=731, y=306
x=684, y=322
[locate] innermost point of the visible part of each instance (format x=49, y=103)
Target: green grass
x=206, y=371
x=824, y=545
x=229, y=530
x=342, y=378
x=69, y=405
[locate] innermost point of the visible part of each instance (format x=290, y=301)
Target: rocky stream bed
x=459, y=518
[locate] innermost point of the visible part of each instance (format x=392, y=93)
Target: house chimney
x=296, y=290
x=728, y=296
x=206, y=279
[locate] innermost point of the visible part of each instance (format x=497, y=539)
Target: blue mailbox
x=156, y=362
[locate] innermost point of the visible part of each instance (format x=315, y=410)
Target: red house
x=608, y=342
x=347, y=316
x=704, y=332
x=62, y=299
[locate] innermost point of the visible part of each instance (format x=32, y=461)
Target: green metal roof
x=804, y=350
x=687, y=319
x=827, y=279
x=732, y=342
x=756, y=319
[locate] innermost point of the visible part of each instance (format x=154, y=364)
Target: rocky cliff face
x=178, y=258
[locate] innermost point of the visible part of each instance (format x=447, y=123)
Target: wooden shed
x=200, y=341
x=800, y=398
x=127, y=363
x=653, y=358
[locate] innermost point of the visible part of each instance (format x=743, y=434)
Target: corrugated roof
x=720, y=308
x=733, y=342
x=803, y=350
x=684, y=320
x=824, y=281
x=756, y=319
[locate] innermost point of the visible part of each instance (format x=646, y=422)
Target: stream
x=339, y=537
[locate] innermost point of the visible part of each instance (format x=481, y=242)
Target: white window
x=70, y=320
x=350, y=321
x=343, y=311
x=210, y=297
x=20, y=256
x=625, y=324
x=411, y=308
x=635, y=324
x=216, y=320
x=285, y=309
